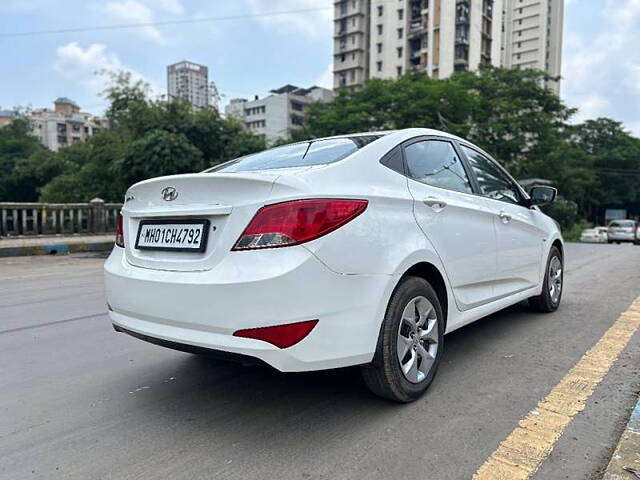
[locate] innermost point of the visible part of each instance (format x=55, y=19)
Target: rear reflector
x=282, y=336
x=120, y=232
x=292, y=223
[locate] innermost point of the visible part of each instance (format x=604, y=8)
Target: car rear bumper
x=621, y=237
x=248, y=290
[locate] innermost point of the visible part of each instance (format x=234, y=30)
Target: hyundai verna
x=360, y=249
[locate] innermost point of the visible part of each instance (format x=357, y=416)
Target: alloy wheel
x=417, y=342
x=555, y=279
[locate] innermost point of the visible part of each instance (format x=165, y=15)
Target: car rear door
x=519, y=229
x=457, y=222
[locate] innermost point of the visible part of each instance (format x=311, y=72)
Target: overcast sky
x=601, y=57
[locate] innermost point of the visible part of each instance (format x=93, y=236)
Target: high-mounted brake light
x=282, y=336
x=120, y=232
x=298, y=221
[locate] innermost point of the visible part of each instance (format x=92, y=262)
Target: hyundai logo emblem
x=169, y=194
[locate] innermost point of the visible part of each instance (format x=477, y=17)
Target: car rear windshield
x=301, y=154
x=623, y=223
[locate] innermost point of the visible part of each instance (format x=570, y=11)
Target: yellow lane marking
x=524, y=450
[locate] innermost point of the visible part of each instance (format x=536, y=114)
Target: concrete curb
x=627, y=453
x=61, y=248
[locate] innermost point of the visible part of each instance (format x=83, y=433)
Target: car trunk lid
x=226, y=202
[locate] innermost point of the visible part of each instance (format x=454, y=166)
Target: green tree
x=91, y=169
x=160, y=153
x=25, y=164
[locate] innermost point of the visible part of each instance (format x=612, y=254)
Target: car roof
x=414, y=131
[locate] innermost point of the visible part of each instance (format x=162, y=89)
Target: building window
x=400, y=31
x=379, y=45
x=352, y=75
x=379, y=29
x=399, y=52
x=379, y=66
x=380, y=10
x=399, y=70
x=400, y=14
x=343, y=57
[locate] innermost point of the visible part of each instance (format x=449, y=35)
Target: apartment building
x=386, y=38
x=189, y=82
x=65, y=125
x=533, y=36
x=7, y=116
x=278, y=114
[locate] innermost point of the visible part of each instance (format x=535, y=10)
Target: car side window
x=491, y=179
x=436, y=163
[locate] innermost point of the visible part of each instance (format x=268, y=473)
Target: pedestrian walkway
x=625, y=463
x=54, y=244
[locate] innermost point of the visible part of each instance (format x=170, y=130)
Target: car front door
x=457, y=222
x=519, y=229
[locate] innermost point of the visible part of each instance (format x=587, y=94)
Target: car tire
x=413, y=327
x=549, y=299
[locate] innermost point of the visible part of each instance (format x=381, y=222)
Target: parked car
x=360, y=249
x=622, y=231
x=594, y=235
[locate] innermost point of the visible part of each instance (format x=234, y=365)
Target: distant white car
x=620, y=231
x=360, y=249
x=594, y=235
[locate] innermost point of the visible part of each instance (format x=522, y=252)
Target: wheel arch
x=432, y=274
x=558, y=244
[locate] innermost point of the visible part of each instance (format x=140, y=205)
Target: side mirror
x=542, y=195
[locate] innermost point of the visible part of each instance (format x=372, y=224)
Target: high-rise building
x=278, y=114
x=189, y=82
x=533, y=36
x=382, y=38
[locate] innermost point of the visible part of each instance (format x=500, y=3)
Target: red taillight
x=282, y=336
x=298, y=221
x=120, y=232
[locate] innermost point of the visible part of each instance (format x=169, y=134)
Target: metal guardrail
x=58, y=218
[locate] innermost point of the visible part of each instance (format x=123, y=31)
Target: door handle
x=505, y=217
x=435, y=203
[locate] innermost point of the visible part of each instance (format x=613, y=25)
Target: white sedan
x=594, y=235
x=359, y=249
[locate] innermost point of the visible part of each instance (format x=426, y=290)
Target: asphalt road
x=79, y=401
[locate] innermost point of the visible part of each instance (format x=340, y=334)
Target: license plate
x=173, y=235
